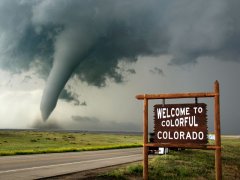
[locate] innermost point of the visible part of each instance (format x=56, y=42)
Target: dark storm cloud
x=157, y=70
x=85, y=119
x=26, y=79
x=69, y=97
x=62, y=38
x=131, y=71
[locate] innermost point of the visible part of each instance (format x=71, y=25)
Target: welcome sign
x=180, y=123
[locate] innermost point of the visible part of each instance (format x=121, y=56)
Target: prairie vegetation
x=34, y=142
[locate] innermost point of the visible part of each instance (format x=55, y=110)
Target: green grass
x=187, y=164
x=33, y=142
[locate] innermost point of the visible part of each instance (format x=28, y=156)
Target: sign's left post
x=145, y=138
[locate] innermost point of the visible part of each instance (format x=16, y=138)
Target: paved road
x=47, y=165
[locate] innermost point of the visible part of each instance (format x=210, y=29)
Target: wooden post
x=217, y=131
x=145, y=139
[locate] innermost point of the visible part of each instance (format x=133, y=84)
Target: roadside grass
x=187, y=164
x=34, y=142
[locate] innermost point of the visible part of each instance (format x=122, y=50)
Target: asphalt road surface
x=48, y=165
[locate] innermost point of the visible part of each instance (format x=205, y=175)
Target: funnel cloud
x=88, y=39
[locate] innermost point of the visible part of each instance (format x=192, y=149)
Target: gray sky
x=92, y=58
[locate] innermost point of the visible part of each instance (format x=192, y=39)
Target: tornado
x=57, y=79
x=72, y=48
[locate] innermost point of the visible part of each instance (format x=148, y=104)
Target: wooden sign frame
x=217, y=131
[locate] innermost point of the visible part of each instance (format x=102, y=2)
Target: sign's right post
x=218, y=163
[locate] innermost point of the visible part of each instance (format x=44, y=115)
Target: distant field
x=33, y=142
x=187, y=164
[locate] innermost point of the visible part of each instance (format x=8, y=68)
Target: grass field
x=33, y=142
x=187, y=164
